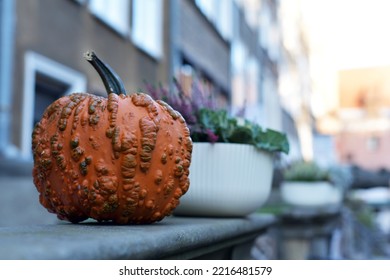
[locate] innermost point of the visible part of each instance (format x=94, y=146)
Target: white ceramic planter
x=310, y=194
x=226, y=180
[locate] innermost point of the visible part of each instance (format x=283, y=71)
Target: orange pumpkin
x=124, y=158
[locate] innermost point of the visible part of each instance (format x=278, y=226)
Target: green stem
x=110, y=78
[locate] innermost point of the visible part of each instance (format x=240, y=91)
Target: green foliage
x=305, y=171
x=208, y=124
x=218, y=126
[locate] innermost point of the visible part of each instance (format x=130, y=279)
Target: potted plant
x=232, y=159
x=307, y=184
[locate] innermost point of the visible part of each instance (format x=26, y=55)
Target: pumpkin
x=124, y=158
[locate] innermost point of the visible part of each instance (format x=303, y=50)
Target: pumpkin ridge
x=79, y=108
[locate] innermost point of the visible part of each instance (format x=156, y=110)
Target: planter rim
x=302, y=181
x=222, y=143
x=310, y=193
x=233, y=145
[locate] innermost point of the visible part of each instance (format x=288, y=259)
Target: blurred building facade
x=48, y=42
x=200, y=47
x=234, y=47
x=255, y=61
x=295, y=81
x=363, y=136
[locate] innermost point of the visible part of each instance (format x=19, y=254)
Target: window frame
x=123, y=30
x=155, y=50
x=7, y=30
x=37, y=63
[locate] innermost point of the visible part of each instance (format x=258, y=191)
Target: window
x=44, y=81
x=7, y=29
x=265, y=25
x=239, y=56
x=220, y=13
x=115, y=13
x=47, y=90
x=373, y=143
x=253, y=81
x=224, y=20
x=147, y=26
x=208, y=8
x=246, y=83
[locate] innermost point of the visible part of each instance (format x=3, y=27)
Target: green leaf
x=305, y=171
x=273, y=141
x=241, y=134
x=229, y=130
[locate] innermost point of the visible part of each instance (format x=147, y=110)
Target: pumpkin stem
x=110, y=78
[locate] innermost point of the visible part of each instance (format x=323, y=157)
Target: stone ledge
x=174, y=238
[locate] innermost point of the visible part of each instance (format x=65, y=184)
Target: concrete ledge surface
x=173, y=236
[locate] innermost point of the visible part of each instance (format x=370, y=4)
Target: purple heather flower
x=211, y=136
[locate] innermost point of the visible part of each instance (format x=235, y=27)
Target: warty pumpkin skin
x=124, y=158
